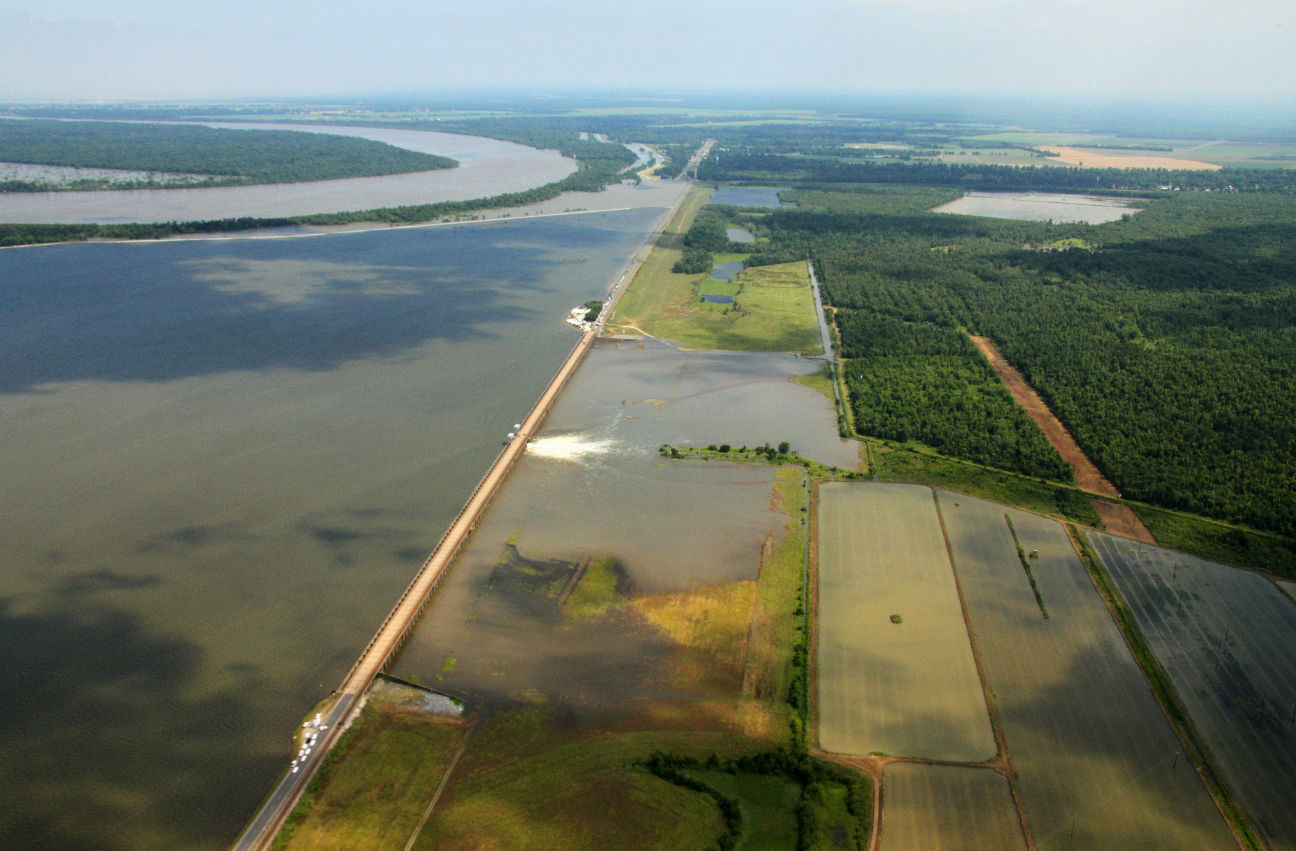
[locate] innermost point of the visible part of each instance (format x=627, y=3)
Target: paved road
x=291, y=786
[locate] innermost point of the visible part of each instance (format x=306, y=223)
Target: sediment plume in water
x=569, y=447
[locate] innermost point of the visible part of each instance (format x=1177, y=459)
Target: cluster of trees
x=764, y=167
x=924, y=382
x=1166, y=349
x=706, y=237
x=232, y=156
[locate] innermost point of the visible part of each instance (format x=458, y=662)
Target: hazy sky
x=174, y=49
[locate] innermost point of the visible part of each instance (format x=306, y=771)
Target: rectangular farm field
x=895, y=669
x=1096, y=761
x=947, y=806
x=1224, y=637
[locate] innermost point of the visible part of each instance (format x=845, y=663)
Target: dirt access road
x=1119, y=519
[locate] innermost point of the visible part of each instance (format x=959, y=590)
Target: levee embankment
x=404, y=615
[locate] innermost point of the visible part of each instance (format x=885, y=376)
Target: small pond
x=727, y=271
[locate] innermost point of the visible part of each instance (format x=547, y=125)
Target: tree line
x=1166, y=347
x=230, y=156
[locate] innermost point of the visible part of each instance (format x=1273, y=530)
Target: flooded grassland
x=593, y=487
x=224, y=461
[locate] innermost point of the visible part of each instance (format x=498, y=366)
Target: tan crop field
x=1096, y=762
x=1090, y=158
x=947, y=806
x=895, y=669
x=1224, y=638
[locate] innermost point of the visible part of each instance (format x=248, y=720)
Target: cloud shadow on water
x=93, y=706
x=176, y=310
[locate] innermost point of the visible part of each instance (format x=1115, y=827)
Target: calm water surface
x=486, y=167
x=223, y=462
x=593, y=483
x=1040, y=207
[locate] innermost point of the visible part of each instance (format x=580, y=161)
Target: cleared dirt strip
x=1119, y=519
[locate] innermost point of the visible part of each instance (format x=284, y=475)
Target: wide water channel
x=486, y=167
x=222, y=461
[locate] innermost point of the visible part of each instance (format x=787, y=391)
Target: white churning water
x=569, y=447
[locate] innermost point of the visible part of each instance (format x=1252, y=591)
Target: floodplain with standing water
x=226, y=459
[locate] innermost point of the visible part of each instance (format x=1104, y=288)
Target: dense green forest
x=227, y=156
x=1167, y=347
x=598, y=164
x=736, y=165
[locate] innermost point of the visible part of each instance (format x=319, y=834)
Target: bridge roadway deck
x=261, y=831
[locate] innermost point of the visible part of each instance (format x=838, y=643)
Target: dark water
x=222, y=461
x=726, y=271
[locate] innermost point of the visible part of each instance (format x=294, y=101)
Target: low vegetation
x=375, y=784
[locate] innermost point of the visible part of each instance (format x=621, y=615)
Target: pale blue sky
x=182, y=49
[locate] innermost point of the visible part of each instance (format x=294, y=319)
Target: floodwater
x=740, y=197
x=740, y=235
x=593, y=483
x=486, y=167
x=1040, y=207
x=726, y=271
x=223, y=461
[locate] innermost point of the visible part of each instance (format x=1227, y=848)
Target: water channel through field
x=223, y=460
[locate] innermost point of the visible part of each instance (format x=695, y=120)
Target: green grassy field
x=773, y=311
x=655, y=285
x=372, y=791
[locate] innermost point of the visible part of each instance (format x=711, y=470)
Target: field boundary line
x=991, y=708
x=1165, y=695
x=445, y=780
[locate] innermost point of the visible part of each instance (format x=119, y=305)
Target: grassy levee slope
x=1096, y=761
x=1220, y=635
x=895, y=668
x=655, y=286
x=947, y=806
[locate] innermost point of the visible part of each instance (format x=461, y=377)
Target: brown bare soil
x=1119, y=519
x=1096, y=159
x=1087, y=475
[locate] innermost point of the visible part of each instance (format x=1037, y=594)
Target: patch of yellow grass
x=709, y=627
